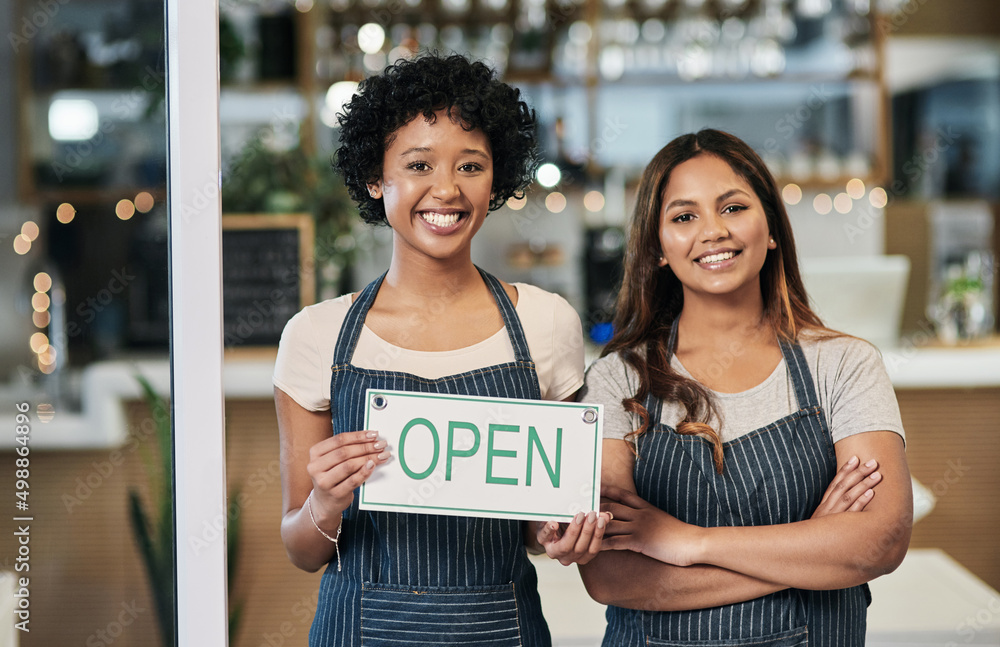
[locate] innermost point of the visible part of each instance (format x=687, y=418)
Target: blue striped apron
x=773, y=475
x=415, y=579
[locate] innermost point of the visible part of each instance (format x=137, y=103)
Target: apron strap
x=798, y=370
x=510, y=319
x=350, y=332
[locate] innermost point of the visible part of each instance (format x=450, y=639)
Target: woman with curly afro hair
x=429, y=147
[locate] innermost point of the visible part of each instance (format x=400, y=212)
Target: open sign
x=484, y=457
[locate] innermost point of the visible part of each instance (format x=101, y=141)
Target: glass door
x=114, y=523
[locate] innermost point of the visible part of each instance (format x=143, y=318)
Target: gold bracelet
x=335, y=540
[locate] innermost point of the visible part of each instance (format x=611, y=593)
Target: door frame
x=196, y=342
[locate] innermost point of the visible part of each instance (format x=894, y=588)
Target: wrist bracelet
x=335, y=540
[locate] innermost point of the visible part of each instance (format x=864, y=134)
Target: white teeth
x=716, y=258
x=440, y=219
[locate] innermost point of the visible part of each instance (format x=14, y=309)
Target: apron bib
x=773, y=475
x=417, y=579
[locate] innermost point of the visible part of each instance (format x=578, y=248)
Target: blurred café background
x=880, y=120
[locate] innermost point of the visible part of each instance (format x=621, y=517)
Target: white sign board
x=484, y=457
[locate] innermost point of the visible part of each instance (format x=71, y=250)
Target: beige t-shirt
x=551, y=326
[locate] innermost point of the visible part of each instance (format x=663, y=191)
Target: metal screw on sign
x=379, y=402
x=590, y=416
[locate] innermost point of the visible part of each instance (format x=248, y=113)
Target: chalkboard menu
x=267, y=275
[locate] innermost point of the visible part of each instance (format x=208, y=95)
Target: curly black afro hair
x=423, y=86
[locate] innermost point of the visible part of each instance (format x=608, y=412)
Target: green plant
x=154, y=529
x=263, y=178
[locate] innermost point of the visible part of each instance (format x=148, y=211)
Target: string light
x=856, y=189
x=144, y=202
x=38, y=342
x=555, y=202
x=42, y=282
x=516, y=203
x=65, y=213
x=21, y=244
x=40, y=301
x=878, y=197
x=822, y=203
x=843, y=203
x=124, y=209
x=30, y=231
x=593, y=201
x=792, y=194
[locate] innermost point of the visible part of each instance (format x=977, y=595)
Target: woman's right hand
x=337, y=466
x=851, y=490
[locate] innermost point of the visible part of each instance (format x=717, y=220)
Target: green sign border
x=371, y=393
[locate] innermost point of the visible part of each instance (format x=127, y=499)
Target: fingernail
x=383, y=456
x=591, y=516
x=553, y=527
x=871, y=463
x=853, y=461
x=869, y=492
x=379, y=445
x=601, y=523
x=875, y=476
x=578, y=519
x=371, y=434
x=370, y=464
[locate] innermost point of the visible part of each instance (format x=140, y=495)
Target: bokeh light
x=856, y=189
x=823, y=204
x=21, y=245
x=843, y=203
x=40, y=301
x=792, y=194
x=144, y=202
x=30, y=231
x=878, y=197
x=42, y=282
x=516, y=203
x=65, y=213
x=593, y=201
x=555, y=202
x=124, y=209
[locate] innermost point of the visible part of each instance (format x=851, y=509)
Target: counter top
x=104, y=386
x=974, y=365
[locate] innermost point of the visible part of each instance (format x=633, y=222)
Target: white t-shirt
x=854, y=392
x=551, y=326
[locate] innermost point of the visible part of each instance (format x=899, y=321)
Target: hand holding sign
x=484, y=457
x=576, y=542
x=337, y=466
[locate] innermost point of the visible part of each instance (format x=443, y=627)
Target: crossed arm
x=650, y=560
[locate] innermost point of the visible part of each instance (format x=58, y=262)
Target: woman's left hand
x=643, y=528
x=576, y=542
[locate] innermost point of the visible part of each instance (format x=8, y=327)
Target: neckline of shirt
x=754, y=390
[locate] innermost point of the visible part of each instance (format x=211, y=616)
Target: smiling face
x=713, y=229
x=436, y=183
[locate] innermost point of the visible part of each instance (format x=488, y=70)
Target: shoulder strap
x=347, y=340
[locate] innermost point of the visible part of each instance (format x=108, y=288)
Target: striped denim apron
x=415, y=579
x=773, y=475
